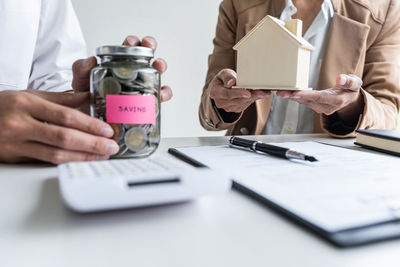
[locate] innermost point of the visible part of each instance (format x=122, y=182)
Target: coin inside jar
x=136, y=139
x=145, y=127
x=118, y=132
x=130, y=93
x=125, y=73
x=109, y=86
x=145, y=80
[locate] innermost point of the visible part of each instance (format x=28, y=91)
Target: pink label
x=130, y=109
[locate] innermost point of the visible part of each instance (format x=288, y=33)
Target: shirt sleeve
x=59, y=43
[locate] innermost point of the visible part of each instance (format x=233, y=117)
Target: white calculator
x=118, y=184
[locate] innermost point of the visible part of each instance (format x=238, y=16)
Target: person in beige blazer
x=362, y=40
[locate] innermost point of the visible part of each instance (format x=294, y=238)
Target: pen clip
x=249, y=149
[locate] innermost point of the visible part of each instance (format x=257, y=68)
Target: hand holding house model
x=274, y=56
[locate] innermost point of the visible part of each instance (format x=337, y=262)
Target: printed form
x=345, y=189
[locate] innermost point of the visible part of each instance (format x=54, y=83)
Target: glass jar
x=125, y=92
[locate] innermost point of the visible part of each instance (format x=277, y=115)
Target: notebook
x=343, y=197
x=387, y=141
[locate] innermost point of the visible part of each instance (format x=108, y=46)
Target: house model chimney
x=295, y=26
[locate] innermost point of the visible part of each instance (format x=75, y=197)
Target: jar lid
x=136, y=51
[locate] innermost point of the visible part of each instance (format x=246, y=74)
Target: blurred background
x=184, y=31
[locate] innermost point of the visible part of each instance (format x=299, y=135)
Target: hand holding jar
x=83, y=67
x=125, y=92
x=126, y=76
x=45, y=126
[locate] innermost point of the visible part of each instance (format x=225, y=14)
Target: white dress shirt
x=40, y=40
x=286, y=116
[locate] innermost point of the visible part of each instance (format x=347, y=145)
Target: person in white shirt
x=39, y=119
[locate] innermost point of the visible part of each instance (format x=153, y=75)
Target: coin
x=130, y=92
x=136, y=139
x=125, y=73
x=145, y=80
x=119, y=132
x=109, y=86
x=145, y=127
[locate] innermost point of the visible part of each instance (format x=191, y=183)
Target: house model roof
x=301, y=42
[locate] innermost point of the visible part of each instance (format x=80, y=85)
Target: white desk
x=230, y=230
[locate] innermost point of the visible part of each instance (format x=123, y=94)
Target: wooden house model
x=274, y=56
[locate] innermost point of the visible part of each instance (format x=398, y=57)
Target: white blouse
x=287, y=116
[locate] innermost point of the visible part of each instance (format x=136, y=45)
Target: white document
x=117, y=184
x=345, y=189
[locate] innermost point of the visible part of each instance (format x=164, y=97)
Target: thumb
x=349, y=82
x=227, y=77
x=81, y=70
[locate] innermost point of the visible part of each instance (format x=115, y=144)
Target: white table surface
x=230, y=230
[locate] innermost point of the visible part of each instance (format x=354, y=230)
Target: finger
x=160, y=65
x=150, y=42
x=317, y=107
x=311, y=96
x=71, y=139
x=234, y=109
x=63, y=116
x=227, y=77
x=220, y=92
x=55, y=155
x=350, y=82
x=325, y=108
x=333, y=97
x=166, y=93
x=259, y=94
x=131, y=40
x=69, y=99
x=81, y=70
x=329, y=100
x=228, y=107
x=236, y=103
x=237, y=108
x=284, y=93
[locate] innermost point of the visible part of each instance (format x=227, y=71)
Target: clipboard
x=351, y=237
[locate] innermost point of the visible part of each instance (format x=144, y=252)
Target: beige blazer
x=364, y=39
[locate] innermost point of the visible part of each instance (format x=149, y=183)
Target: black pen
x=277, y=151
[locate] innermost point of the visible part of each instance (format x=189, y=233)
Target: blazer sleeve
x=223, y=56
x=381, y=90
